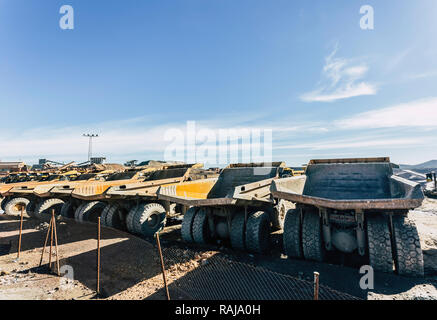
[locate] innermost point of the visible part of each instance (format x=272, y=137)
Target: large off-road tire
x=13, y=206
x=187, y=224
x=313, y=247
x=379, y=243
x=238, y=231
x=292, y=236
x=116, y=217
x=408, y=254
x=258, y=232
x=31, y=206
x=44, y=209
x=104, y=214
x=149, y=218
x=89, y=211
x=200, y=229
x=68, y=209
x=130, y=219
x=2, y=202
x=278, y=216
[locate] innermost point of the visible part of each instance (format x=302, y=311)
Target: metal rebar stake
x=45, y=243
x=316, y=286
x=21, y=229
x=98, y=256
x=51, y=243
x=56, y=241
x=162, y=265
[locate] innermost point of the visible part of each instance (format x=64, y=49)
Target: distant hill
x=431, y=164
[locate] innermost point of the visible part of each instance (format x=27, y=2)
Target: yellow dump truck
x=235, y=207
x=20, y=195
x=47, y=197
x=135, y=206
x=115, y=198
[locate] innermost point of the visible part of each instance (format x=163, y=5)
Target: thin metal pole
x=316, y=286
x=21, y=229
x=98, y=256
x=45, y=242
x=162, y=265
x=56, y=241
x=51, y=243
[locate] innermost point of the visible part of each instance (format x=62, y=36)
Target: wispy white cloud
x=419, y=113
x=397, y=59
x=342, y=79
x=422, y=75
x=363, y=142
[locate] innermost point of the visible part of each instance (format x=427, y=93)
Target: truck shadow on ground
x=68, y=231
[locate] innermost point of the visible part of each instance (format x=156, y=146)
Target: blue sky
x=130, y=70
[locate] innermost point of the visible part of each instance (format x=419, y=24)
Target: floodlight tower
x=90, y=145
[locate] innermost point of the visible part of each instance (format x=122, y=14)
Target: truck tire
x=292, y=236
x=89, y=211
x=13, y=206
x=130, y=219
x=149, y=219
x=187, y=224
x=313, y=247
x=238, y=231
x=30, y=208
x=68, y=209
x=200, y=227
x=3, y=204
x=258, y=232
x=116, y=217
x=44, y=209
x=2, y=201
x=278, y=217
x=408, y=254
x=379, y=243
x=104, y=215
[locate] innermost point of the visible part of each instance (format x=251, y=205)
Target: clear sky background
x=132, y=69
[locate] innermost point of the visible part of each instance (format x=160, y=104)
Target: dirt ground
x=131, y=269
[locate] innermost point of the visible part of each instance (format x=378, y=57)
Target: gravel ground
x=131, y=266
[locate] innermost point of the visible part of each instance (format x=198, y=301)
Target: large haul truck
x=19, y=195
x=53, y=196
x=355, y=206
x=235, y=207
x=115, y=198
x=135, y=206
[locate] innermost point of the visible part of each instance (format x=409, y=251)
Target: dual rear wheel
x=390, y=241
x=252, y=235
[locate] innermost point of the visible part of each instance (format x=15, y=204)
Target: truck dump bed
x=236, y=183
x=149, y=186
x=350, y=184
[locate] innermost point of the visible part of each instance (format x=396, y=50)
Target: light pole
x=90, y=145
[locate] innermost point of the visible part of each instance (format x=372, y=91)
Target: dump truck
x=236, y=207
x=20, y=195
x=135, y=206
x=47, y=197
x=352, y=206
x=91, y=199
